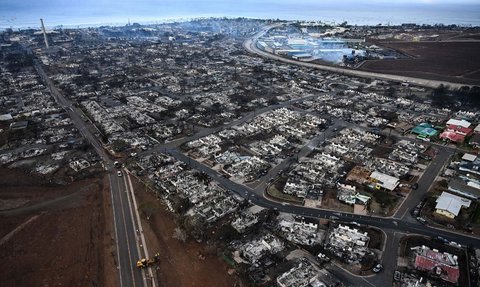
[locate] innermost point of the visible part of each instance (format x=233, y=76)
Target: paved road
x=389, y=256
x=347, y=278
x=389, y=259
x=250, y=46
x=207, y=131
x=393, y=227
x=426, y=180
x=424, y=183
x=262, y=182
x=380, y=222
x=128, y=252
x=127, y=247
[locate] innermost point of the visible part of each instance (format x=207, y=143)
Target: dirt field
x=54, y=235
x=180, y=263
x=450, y=61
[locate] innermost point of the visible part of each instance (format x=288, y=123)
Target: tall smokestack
x=44, y=34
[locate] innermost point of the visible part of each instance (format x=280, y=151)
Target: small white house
x=450, y=205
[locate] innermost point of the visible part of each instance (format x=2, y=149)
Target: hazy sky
x=27, y=12
x=9, y=6
x=6, y=4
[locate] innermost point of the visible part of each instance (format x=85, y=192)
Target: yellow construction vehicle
x=144, y=263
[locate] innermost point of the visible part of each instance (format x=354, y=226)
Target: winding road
x=127, y=240
x=392, y=226
x=251, y=46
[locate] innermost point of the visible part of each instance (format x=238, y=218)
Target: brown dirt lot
x=449, y=61
x=180, y=263
x=58, y=236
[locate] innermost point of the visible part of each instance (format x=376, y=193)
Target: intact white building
x=460, y=123
x=385, y=181
x=469, y=157
x=450, y=205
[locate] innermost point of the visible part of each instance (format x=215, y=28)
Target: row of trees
x=17, y=60
x=466, y=97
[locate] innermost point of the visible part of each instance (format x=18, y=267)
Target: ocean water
x=23, y=14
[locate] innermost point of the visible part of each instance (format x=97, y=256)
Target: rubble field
x=181, y=264
x=55, y=235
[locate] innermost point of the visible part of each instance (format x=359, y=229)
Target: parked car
x=397, y=275
x=442, y=239
x=119, y=173
x=422, y=220
x=425, y=157
x=455, y=244
x=323, y=257
x=377, y=268
x=415, y=212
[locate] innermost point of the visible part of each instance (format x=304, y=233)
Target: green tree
x=441, y=97
x=390, y=92
x=148, y=209
x=180, y=204
x=119, y=145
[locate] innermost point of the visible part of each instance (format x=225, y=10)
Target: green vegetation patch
x=277, y=194
x=476, y=216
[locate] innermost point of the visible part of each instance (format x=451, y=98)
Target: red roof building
x=454, y=137
x=444, y=265
x=460, y=130
x=456, y=130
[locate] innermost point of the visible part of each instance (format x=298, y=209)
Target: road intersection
x=130, y=246
x=401, y=223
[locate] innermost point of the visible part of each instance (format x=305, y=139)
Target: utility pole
x=44, y=34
